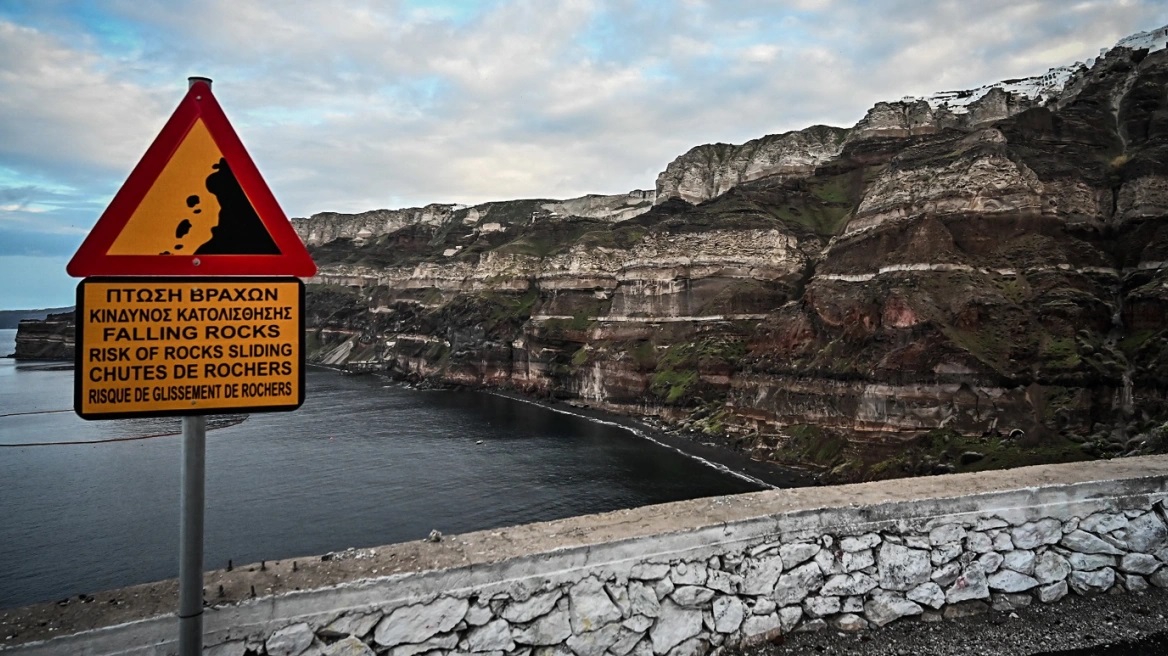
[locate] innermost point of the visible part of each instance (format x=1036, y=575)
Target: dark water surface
x=360, y=464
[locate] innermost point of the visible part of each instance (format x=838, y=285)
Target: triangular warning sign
x=196, y=206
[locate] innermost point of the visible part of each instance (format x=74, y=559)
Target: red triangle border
x=93, y=258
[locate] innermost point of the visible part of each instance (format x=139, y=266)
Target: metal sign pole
x=272, y=262
x=190, y=534
x=190, y=551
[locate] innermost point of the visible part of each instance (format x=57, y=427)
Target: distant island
x=12, y=318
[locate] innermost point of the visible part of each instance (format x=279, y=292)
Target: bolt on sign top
x=195, y=205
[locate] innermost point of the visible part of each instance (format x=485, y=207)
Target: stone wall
x=685, y=578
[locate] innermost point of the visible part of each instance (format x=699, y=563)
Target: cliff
x=942, y=287
x=708, y=171
x=49, y=339
x=325, y=227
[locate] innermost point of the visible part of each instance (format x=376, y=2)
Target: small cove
x=364, y=462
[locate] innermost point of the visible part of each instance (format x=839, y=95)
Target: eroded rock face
x=879, y=303
x=711, y=170
x=918, y=116
x=967, y=174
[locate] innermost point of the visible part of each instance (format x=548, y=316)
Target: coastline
x=721, y=458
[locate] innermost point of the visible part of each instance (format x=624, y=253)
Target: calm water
x=360, y=464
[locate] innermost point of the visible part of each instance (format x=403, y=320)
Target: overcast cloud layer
x=362, y=105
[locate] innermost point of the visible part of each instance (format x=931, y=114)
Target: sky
x=353, y=106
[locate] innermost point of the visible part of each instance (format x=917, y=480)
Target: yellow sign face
x=179, y=195
x=171, y=346
x=195, y=207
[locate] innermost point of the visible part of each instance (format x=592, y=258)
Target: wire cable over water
x=33, y=412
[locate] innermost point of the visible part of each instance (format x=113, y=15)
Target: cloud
x=66, y=113
x=358, y=105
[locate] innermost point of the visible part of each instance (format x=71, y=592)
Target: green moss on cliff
x=619, y=236
x=1133, y=342
x=332, y=305
x=437, y=354
x=512, y=212
x=567, y=330
x=990, y=343
x=713, y=421
x=673, y=385
x=511, y=308
x=943, y=451
x=832, y=190
x=580, y=357
x=677, y=375
x=811, y=445
x=1059, y=352
x=823, y=204
x=644, y=355
x=547, y=237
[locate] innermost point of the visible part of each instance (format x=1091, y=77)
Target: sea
x=94, y=505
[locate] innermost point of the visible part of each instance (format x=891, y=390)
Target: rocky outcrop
x=50, y=339
x=610, y=208
x=931, y=298
x=328, y=226
x=710, y=170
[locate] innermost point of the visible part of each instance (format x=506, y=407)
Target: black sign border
x=79, y=341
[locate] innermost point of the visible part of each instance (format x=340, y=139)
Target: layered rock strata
x=971, y=296
x=53, y=338
x=712, y=169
